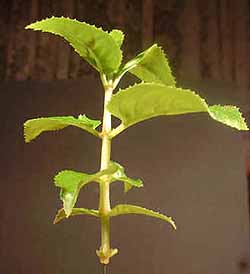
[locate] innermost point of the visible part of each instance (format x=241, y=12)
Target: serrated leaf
x=119, y=175
x=34, y=127
x=147, y=100
x=228, y=115
x=96, y=46
x=75, y=211
x=118, y=36
x=70, y=183
x=133, y=209
x=151, y=66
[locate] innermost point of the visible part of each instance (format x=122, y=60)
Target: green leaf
x=132, y=209
x=34, y=127
x=119, y=175
x=229, y=115
x=96, y=46
x=118, y=36
x=70, y=183
x=151, y=66
x=75, y=211
x=147, y=100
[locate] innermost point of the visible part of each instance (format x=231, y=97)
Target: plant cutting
x=155, y=95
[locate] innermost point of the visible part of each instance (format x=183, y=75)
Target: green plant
x=155, y=95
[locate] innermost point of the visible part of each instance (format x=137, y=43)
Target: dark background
x=193, y=168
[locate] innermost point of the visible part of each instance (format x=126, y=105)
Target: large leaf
x=147, y=100
x=34, y=127
x=132, y=209
x=70, y=183
x=151, y=66
x=75, y=211
x=119, y=175
x=96, y=46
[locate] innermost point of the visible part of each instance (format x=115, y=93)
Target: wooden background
x=203, y=39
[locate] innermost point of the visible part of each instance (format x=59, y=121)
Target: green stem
x=105, y=251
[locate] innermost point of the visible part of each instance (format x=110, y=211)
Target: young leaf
x=151, y=66
x=70, y=183
x=119, y=175
x=118, y=36
x=96, y=46
x=147, y=100
x=75, y=211
x=132, y=209
x=34, y=127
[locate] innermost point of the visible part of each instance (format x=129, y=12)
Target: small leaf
x=34, y=127
x=132, y=209
x=75, y=211
x=70, y=183
x=151, y=66
x=228, y=115
x=119, y=175
x=148, y=100
x=96, y=46
x=118, y=36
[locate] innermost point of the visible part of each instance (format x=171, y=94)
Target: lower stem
x=104, y=203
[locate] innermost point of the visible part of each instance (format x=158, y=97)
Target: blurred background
x=193, y=168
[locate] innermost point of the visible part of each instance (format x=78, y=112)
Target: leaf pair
x=121, y=209
x=71, y=183
x=102, y=50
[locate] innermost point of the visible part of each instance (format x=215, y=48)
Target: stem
x=105, y=251
x=117, y=130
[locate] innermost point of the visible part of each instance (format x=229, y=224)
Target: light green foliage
x=71, y=183
x=76, y=211
x=156, y=95
x=118, y=36
x=147, y=100
x=34, y=127
x=132, y=209
x=151, y=66
x=228, y=115
x=96, y=46
x=119, y=175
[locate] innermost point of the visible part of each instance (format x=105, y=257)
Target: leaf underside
x=151, y=66
x=93, y=44
x=133, y=209
x=148, y=100
x=75, y=211
x=34, y=127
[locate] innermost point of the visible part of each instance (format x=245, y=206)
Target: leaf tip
x=173, y=224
